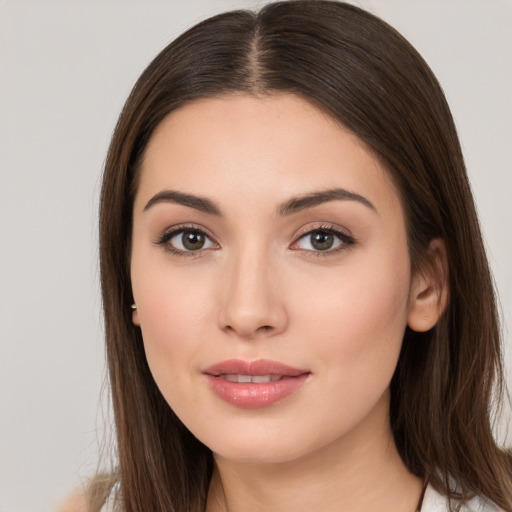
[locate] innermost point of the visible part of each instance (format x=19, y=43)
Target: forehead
x=267, y=147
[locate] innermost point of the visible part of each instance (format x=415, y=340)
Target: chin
x=254, y=454
x=264, y=445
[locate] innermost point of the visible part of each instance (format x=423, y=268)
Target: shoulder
x=109, y=500
x=97, y=495
x=75, y=502
x=435, y=502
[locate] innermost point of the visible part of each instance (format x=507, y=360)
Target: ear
x=135, y=316
x=429, y=290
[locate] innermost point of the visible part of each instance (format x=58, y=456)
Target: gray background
x=66, y=67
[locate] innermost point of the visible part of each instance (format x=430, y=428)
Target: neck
x=356, y=473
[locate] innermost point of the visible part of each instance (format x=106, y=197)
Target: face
x=271, y=275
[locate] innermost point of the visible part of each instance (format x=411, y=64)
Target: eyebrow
x=171, y=196
x=293, y=205
x=304, y=202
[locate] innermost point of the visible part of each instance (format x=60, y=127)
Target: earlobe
x=135, y=315
x=429, y=290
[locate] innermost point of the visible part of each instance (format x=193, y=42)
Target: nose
x=252, y=302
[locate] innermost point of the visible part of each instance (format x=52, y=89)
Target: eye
x=324, y=239
x=186, y=240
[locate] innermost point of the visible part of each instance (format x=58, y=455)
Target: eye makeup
x=323, y=240
x=318, y=240
x=186, y=240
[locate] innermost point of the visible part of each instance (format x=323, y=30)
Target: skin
x=260, y=289
x=75, y=502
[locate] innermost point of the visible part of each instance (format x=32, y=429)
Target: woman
x=298, y=306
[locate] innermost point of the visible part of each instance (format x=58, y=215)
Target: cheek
x=358, y=318
x=173, y=307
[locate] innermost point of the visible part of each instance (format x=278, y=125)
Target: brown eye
x=193, y=240
x=326, y=240
x=182, y=241
x=321, y=240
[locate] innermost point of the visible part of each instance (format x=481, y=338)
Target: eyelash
x=164, y=239
x=346, y=241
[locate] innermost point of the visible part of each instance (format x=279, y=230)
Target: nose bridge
x=252, y=304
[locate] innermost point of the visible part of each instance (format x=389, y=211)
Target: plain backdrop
x=66, y=67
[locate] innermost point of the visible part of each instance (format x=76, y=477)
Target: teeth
x=265, y=378
x=257, y=379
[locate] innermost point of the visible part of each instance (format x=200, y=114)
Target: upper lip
x=258, y=367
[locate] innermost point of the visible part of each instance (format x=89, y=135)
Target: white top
x=432, y=502
x=435, y=502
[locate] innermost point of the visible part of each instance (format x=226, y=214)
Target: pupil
x=192, y=240
x=322, y=241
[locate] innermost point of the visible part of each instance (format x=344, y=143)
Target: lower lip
x=255, y=395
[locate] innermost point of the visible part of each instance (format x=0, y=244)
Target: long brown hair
x=364, y=74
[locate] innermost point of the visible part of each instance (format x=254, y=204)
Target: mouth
x=254, y=384
x=258, y=368
x=255, y=379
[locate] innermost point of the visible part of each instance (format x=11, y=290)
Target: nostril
x=263, y=329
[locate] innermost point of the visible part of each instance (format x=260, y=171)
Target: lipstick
x=254, y=384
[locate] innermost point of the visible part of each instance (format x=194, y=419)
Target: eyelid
x=343, y=234
x=322, y=226
x=167, y=234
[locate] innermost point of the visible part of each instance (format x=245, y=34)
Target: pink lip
x=252, y=395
